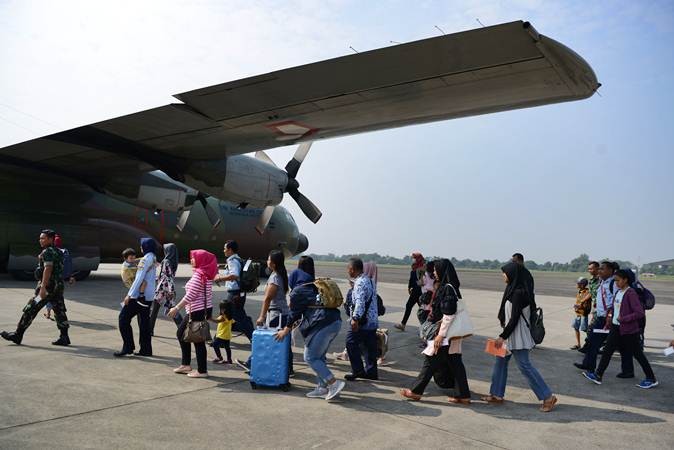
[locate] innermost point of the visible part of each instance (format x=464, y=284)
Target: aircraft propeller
x=213, y=216
x=292, y=188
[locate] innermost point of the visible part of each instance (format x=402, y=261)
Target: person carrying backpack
x=319, y=325
x=515, y=305
x=236, y=295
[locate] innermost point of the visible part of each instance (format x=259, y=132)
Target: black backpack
x=249, y=280
x=535, y=325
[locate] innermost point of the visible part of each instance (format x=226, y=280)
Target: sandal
x=458, y=400
x=575, y=347
x=492, y=399
x=408, y=394
x=549, y=404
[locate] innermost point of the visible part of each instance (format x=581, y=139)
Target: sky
x=593, y=176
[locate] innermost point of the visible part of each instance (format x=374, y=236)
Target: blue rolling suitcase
x=269, y=364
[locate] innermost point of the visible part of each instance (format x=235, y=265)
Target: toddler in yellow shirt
x=224, y=333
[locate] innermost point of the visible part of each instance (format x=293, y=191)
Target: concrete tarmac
x=83, y=397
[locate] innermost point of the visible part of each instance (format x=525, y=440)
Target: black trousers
x=155, y=312
x=436, y=367
x=217, y=343
x=630, y=346
x=186, y=347
x=596, y=341
x=411, y=301
x=367, y=339
x=141, y=308
x=242, y=323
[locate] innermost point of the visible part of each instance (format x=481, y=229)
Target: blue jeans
x=500, y=376
x=368, y=338
x=317, y=347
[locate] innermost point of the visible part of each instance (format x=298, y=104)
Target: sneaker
x=647, y=384
x=334, y=389
x=318, y=392
x=592, y=377
x=243, y=365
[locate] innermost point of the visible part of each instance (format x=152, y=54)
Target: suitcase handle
x=268, y=319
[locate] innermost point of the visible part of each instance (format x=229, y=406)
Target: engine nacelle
x=154, y=190
x=239, y=179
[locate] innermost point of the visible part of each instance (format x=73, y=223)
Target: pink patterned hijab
x=205, y=264
x=370, y=269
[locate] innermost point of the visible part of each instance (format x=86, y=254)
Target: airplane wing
x=491, y=69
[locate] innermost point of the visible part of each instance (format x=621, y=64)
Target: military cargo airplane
x=180, y=172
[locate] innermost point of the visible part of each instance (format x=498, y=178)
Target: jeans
x=630, y=346
x=141, y=308
x=243, y=323
x=411, y=301
x=368, y=338
x=317, y=347
x=186, y=347
x=499, y=377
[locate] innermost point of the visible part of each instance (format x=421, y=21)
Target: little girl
x=224, y=333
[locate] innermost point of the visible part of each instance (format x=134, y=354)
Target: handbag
x=429, y=330
x=461, y=325
x=198, y=331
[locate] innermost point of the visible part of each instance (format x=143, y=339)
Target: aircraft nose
x=302, y=244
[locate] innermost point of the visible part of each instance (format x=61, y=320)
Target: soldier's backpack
x=331, y=296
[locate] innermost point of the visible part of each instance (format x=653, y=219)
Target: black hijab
x=171, y=254
x=447, y=274
x=517, y=279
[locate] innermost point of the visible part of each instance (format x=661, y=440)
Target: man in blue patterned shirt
x=364, y=323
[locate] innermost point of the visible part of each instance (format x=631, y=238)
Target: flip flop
x=491, y=399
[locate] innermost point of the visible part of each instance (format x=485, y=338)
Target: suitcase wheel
x=285, y=387
x=253, y=385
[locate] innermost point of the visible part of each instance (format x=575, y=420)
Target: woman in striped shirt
x=199, y=305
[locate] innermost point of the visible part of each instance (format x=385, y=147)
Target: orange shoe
x=408, y=394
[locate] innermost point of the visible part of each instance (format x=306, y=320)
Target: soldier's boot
x=12, y=336
x=63, y=340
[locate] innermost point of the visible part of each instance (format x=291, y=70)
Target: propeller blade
x=294, y=164
x=182, y=219
x=308, y=208
x=265, y=217
x=212, y=214
x=262, y=156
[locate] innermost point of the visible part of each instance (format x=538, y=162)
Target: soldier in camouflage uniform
x=49, y=289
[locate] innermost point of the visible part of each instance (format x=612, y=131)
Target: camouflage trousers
x=32, y=308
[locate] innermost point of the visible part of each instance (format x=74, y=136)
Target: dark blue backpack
x=646, y=297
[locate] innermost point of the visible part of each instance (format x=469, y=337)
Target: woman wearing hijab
x=444, y=363
x=413, y=288
x=515, y=305
x=198, y=302
x=165, y=294
x=319, y=327
x=136, y=303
